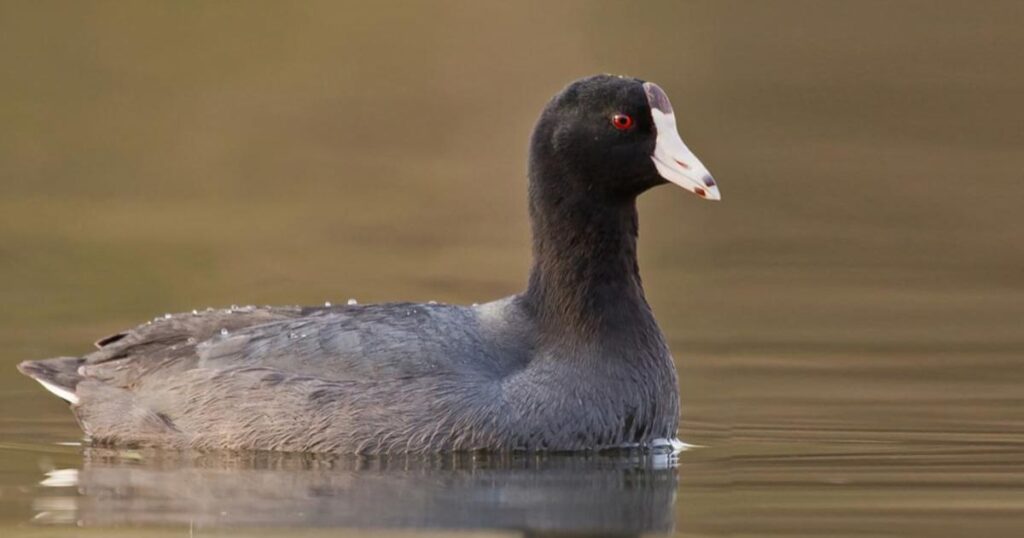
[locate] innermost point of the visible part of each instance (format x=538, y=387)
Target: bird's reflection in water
x=623, y=493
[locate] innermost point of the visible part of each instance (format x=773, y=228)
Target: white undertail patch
x=62, y=392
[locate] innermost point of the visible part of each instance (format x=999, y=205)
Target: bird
x=575, y=362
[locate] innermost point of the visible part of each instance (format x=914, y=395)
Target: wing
x=375, y=378
x=345, y=343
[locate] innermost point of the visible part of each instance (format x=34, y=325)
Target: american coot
x=575, y=362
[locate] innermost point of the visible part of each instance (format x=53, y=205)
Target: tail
x=59, y=375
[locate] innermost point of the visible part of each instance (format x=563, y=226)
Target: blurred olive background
x=864, y=269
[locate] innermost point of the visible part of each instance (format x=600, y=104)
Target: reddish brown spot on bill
x=700, y=192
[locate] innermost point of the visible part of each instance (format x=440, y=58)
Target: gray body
x=369, y=379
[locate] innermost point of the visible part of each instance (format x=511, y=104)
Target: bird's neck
x=585, y=283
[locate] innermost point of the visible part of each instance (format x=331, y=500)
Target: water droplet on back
x=352, y=302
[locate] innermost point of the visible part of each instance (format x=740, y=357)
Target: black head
x=609, y=137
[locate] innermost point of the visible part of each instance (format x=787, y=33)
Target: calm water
x=848, y=322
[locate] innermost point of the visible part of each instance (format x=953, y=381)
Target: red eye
x=622, y=122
